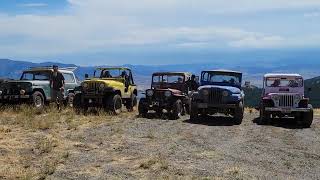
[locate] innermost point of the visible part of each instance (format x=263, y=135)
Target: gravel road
x=135, y=148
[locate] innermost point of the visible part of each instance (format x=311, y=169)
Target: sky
x=96, y=32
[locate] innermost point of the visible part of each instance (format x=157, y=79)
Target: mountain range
x=252, y=70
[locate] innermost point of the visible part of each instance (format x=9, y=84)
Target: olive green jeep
x=34, y=87
x=109, y=88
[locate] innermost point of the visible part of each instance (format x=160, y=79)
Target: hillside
x=314, y=95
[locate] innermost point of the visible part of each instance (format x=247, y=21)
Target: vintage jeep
x=169, y=93
x=34, y=87
x=283, y=95
x=220, y=92
x=109, y=88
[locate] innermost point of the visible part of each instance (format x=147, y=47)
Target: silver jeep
x=283, y=96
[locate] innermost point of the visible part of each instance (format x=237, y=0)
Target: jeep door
x=70, y=83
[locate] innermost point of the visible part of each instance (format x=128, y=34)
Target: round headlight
x=167, y=93
x=225, y=93
x=102, y=86
x=150, y=93
x=205, y=92
x=297, y=96
x=85, y=85
x=22, y=92
x=0, y=92
x=276, y=97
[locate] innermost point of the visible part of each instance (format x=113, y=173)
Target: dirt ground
x=98, y=146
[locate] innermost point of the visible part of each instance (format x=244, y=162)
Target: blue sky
x=113, y=32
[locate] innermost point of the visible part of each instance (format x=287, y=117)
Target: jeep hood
x=174, y=91
x=108, y=82
x=234, y=90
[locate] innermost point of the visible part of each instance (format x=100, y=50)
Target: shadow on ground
x=287, y=123
x=212, y=121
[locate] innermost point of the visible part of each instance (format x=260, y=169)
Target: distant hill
x=252, y=71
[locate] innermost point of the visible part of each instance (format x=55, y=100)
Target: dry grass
x=317, y=112
x=32, y=143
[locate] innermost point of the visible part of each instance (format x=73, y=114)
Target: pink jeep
x=283, y=95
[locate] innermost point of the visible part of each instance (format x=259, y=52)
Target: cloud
x=100, y=25
x=31, y=5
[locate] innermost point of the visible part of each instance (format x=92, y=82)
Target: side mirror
x=86, y=76
x=197, y=78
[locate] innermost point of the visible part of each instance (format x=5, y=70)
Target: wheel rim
x=38, y=101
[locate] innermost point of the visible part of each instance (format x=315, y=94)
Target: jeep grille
x=215, y=96
x=93, y=87
x=286, y=101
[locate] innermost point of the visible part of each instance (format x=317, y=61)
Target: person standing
x=57, y=86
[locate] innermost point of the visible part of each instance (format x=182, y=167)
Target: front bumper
x=13, y=97
x=286, y=110
x=222, y=106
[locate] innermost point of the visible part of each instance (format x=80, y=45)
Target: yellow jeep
x=109, y=88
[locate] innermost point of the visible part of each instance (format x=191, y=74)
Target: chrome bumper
x=287, y=110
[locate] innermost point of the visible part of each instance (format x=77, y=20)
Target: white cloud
x=98, y=25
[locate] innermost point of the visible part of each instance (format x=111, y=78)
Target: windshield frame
x=232, y=74
x=267, y=79
x=161, y=76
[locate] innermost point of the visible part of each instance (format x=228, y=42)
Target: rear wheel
x=70, y=99
x=115, y=104
x=238, y=116
x=308, y=117
x=142, y=108
x=177, y=109
x=38, y=100
x=131, y=104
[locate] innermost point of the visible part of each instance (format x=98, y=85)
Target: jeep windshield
x=168, y=79
x=111, y=73
x=40, y=76
x=284, y=82
x=221, y=79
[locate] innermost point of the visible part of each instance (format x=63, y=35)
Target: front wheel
x=77, y=104
x=115, y=104
x=142, y=108
x=69, y=100
x=194, y=114
x=38, y=100
x=264, y=116
x=238, y=115
x=308, y=117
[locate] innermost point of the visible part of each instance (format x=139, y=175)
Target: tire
x=115, y=104
x=194, y=114
x=264, y=116
x=177, y=110
x=69, y=100
x=143, y=110
x=308, y=118
x=132, y=103
x=38, y=100
x=238, y=116
x=77, y=104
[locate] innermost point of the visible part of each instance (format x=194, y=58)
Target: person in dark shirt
x=193, y=85
x=57, y=86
